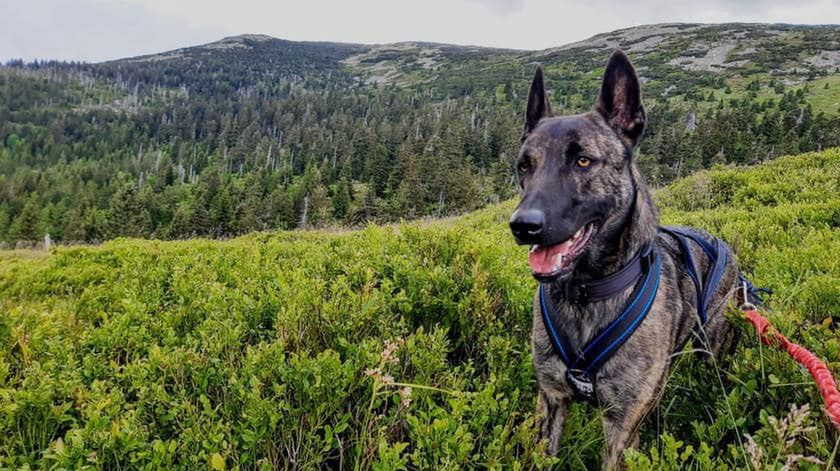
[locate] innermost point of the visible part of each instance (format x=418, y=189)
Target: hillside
x=253, y=132
x=392, y=346
x=673, y=59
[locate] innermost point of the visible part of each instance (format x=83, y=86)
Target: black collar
x=611, y=285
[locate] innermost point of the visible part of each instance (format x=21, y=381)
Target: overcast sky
x=96, y=30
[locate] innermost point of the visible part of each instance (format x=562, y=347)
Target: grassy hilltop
x=296, y=349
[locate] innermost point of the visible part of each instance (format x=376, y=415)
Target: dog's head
x=575, y=172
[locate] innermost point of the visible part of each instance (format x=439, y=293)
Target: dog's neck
x=636, y=228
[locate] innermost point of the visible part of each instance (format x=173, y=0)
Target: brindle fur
x=631, y=382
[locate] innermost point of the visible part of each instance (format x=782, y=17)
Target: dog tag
x=581, y=384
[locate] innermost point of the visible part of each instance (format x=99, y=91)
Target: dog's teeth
x=534, y=248
x=578, y=233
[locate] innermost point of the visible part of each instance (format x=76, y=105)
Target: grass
x=826, y=100
x=394, y=347
x=821, y=99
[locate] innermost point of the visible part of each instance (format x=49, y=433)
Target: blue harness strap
x=582, y=368
x=716, y=250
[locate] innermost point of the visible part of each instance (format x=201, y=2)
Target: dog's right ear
x=620, y=100
x=538, y=107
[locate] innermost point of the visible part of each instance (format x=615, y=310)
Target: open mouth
x=553, y=260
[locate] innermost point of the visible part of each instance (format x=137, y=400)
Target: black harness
x=643, y=272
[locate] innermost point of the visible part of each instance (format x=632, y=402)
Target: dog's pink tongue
x=544, y=260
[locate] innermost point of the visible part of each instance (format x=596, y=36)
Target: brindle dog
x=586, y=211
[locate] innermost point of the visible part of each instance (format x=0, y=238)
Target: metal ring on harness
x=746, y=305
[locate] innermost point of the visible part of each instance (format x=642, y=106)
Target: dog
x=587, y=212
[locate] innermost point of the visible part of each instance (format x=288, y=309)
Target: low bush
x=395, y=347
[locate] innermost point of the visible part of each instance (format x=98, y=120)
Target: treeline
x=89, y=153
x=743, y=130
x=179, y=166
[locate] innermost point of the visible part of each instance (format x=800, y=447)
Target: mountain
x=672, y=59
x=665, y=55
x=395, y=347
x=253, y=132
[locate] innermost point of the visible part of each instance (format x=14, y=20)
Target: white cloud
x=502, y=6
x=99, y=29
x=90, y=30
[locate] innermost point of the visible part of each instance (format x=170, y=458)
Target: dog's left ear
x=538, y=106
x=620, y=101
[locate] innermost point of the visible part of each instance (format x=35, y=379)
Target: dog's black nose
x=527, y=225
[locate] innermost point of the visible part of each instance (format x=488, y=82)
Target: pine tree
x=181, y=225
x=4, y=220
x=222, y=213
x=368, y=209
x=95, y=225
x=343, y=192
x=314, y=197
x=252, y=215
x=127, y=217
x=27, y=225
x=199, y=219
x=281, y=209
x=413, y=188
x=320, y=206
x=341, y=199
x=74, y=230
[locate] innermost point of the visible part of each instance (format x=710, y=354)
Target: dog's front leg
x=551, y=413
x=621, y=432
x=621, y=424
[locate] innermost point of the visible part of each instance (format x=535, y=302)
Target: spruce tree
x=27, y=225
x=281, y=209
x=341, y=199
x=127, y=217
x=74, y=230
x=251, y=214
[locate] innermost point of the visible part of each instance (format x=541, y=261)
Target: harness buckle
x=581, y=384
x=582, y=294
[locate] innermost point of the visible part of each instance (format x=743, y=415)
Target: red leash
x=819, y=371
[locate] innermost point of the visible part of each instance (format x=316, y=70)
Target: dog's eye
x=523, y=167
x=584, y=162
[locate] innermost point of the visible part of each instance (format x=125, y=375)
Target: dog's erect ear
x=620, y=101
x=538, y=107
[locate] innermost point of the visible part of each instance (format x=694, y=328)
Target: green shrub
x=393, y=347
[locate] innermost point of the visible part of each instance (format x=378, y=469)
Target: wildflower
x=388, y=353
x=376, y=373
x=405, y=397
x=755, y=452
x=792, y=461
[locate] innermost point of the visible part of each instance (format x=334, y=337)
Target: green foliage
x=393, y=347
x=127, y=217
x=27, y=224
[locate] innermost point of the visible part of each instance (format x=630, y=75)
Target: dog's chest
x=549, y=368
x=580, y=324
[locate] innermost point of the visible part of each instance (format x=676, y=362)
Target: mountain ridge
x=569, y=45
x=738, y=49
